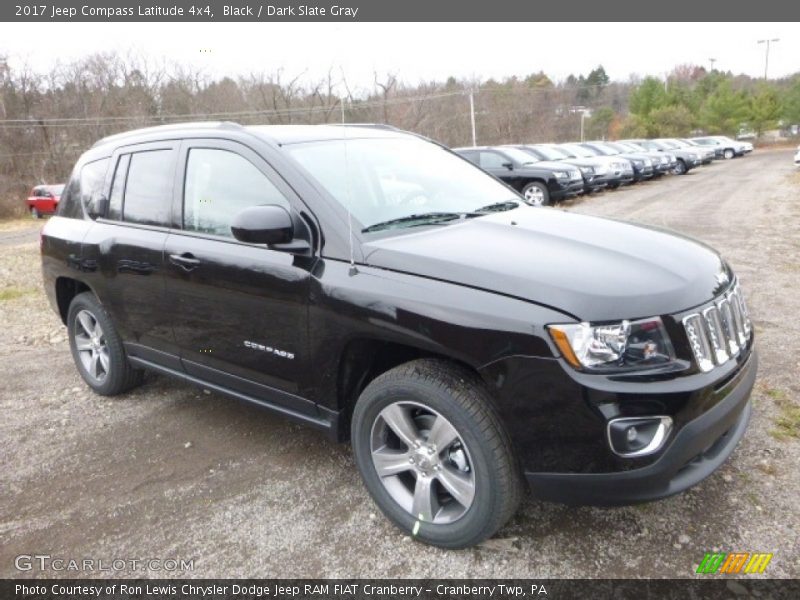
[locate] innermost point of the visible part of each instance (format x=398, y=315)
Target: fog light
x=638, y=436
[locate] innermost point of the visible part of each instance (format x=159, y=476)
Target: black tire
x=120, y=376
x=728, y=153
x=680, y=168
x=538, y=192
x=460, y=397
x=35, y=213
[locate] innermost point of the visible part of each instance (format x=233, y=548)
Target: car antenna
x=353, y=269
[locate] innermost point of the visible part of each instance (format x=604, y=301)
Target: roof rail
x=168, y=127
x=371, y=126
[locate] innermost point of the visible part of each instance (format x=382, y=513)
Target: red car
x=44, y=199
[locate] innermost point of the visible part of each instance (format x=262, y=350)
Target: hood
x=590, y=268
x=554, y=165
x=635, y=156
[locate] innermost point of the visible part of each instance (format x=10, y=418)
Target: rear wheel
x=728, y=154
x=536, y=194
x=97, y=348
x=433, y=454
x=35, y=213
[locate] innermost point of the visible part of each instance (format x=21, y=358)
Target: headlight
x=587, y=170
x=638, y=163
x=600, y=170
x=648, y=162
x=561, y=174
x=625, y=345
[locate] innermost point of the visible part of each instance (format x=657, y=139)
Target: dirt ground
x=169, y=471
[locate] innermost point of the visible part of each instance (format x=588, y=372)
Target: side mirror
x=98, y=207
x=509, y=166
x=267, y=224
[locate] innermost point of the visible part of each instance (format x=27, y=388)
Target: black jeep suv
x=540, y=182
x=377, y=286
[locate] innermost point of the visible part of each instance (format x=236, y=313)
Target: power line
x=89, y=121
x=65, y=121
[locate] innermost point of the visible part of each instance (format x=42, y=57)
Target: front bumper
x=567, y=189
x=696, y=451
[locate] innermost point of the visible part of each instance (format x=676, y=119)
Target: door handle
x=185, y=261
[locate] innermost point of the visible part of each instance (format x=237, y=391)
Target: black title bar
x=398, y=10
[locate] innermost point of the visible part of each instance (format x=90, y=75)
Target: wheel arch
x=66, y=289
x=363, y=359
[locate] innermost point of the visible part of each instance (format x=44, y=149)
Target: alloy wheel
x=91, y=345
x=423, y=462
x=534, y=195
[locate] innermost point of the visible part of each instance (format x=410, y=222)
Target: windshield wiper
x=496, y=207
x=429, y=218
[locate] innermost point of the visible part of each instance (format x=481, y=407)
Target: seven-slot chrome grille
x=720, y=330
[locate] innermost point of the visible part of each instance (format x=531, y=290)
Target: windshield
x=519, y=156
x=603, y=149
x=669, y=144
x=383, y=179
x=551, y=153
x=578, y=151
x=617, y=147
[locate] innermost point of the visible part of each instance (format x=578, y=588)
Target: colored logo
x=734, y=562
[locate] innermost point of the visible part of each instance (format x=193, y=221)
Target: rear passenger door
x=239, y=311
x=127, y=244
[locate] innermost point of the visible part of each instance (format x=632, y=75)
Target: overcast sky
x=417, y=51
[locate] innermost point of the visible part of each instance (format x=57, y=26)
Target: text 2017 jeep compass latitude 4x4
x=375, y=285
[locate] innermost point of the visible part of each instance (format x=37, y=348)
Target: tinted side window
x=118, y=188
x=491, y=160
x=470, y=156
x=93, y=176
x=219, y=184
x=148, y=192
x=70, y=205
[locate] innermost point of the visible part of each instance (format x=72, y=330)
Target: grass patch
x=14, y=224
x=775, y=393
x=787, y=423
x=12, y=293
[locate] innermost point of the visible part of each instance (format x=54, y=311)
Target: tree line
x=47, y=119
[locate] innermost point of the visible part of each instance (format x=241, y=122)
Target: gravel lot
x=169, y=471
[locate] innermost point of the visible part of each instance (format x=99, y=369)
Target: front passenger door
x=239, y=311
x=496, y=164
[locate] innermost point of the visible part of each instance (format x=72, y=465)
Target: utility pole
x=472, y=116
x=583, y=116
x=712, y=61
x=766, y=58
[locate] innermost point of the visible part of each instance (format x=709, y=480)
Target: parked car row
x=548, y=173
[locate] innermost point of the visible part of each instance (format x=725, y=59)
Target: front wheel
x=728, y=154
x=680, y=168
x=536, y=194
x=35, y=214
x=434, y=455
